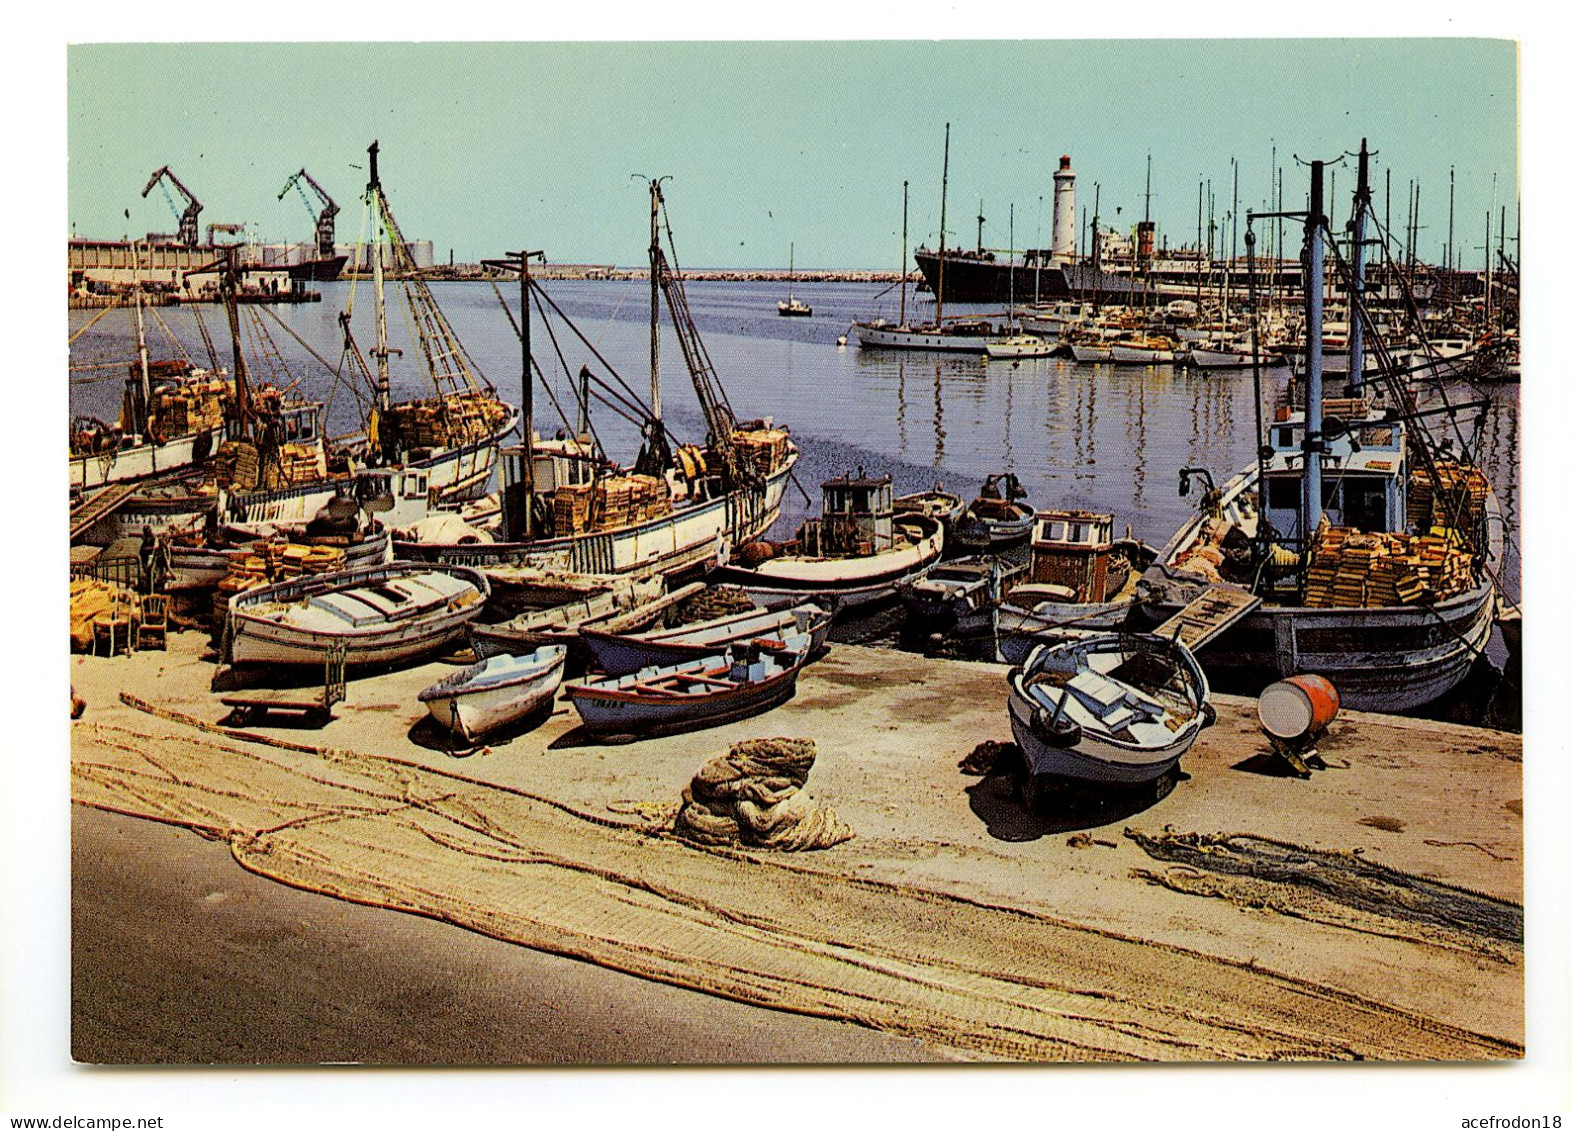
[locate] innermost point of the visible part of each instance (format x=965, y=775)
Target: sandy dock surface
x=954, y=925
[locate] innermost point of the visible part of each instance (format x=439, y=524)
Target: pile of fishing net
x=753, y=795
x=712, y=602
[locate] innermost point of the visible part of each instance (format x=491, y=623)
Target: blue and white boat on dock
x=693, y=694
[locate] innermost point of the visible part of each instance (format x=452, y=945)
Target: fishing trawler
x=856, y=554
x=172, y=418
x=567, y=506
x=1371, y=544
x=444, y=445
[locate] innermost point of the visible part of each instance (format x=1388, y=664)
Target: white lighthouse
x=1064, y=212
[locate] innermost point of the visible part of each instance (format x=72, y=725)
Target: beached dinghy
x=623, y=653
x=496, y=691
x=381, y=614
x=695, y=693
x=1108, y=708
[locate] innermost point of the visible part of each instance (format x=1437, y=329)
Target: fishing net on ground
x=753, y=795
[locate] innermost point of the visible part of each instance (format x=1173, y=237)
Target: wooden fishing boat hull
x=1020, y=629
x=1089, y=753
x=299, y=621
x=1390, y=659
x=143, y=460
x=558, y=624
x=495, y=692
x=200, y=567
x=610, y=711
x=838, y=583
x=936, y=504
x=624, y=654
x=986, y=535
x=960, y=597
x=691, y=536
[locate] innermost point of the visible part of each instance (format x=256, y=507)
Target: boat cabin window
x=1285, y=437
x=1282, y=492
x=415, y=485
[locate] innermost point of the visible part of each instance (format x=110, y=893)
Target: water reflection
x=1103, y=437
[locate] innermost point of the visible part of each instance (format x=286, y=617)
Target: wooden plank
x=1208, y=615
x=99, y=505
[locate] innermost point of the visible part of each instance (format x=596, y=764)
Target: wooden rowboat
x=496, y=691
x=692, y=694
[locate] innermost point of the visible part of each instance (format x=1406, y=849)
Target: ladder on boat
x=1205, y=617
x=100, y=505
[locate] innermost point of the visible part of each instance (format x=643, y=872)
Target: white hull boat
x=496, y=691
x=1021, y=345
x=841, y=583
x=885, y=335
x=143, y=460
x=382, y=615
x=1111, y=709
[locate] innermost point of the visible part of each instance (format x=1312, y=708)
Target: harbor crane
x=323, y=216
x=189, y=230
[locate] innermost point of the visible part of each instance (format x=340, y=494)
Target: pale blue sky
x=487, y=146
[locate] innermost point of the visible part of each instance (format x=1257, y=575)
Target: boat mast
x=1356, y=300
x=379, y=351
x=655, y=302
x=1012, y=264
x=944, y=190
x=145, y=410
x=230, y=288
x=527, y=388
x=1314, y=302
x=791, y=273
x=904, y=186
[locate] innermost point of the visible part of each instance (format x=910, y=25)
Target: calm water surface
x=1110, y=439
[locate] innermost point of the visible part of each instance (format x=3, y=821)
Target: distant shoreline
x=602, y=273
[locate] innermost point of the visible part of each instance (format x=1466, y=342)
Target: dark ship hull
x=319, y=270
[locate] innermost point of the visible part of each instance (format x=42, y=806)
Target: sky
x=487, y=146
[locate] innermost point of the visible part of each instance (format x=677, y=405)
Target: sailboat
x=567, y=506
x=1371, y=547
x=793, y=307
x=968, y=335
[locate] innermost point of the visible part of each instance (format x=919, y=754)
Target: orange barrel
x=1297, y=706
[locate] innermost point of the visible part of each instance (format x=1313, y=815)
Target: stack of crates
x=1354, y=570
x=766, y=447
x=625, y=499
x=1454, y=496
x=570, y=509
x=247, y=571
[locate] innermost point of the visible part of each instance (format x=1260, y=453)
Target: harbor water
x=1099, y=437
